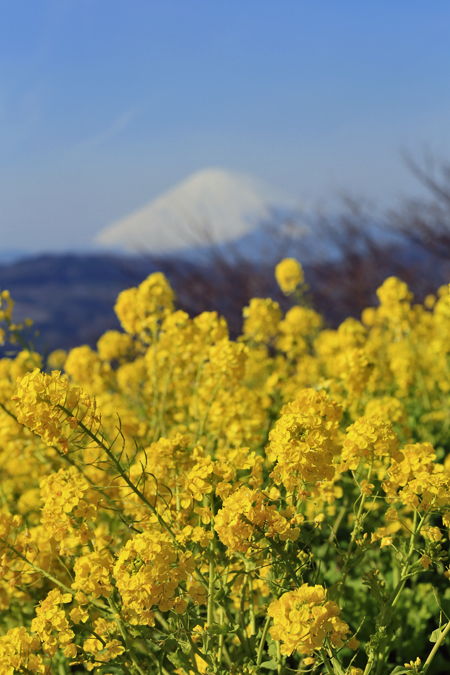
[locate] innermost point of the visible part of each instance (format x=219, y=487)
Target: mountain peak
x=211, y=206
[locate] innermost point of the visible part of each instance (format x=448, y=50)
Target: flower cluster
x=247, y=517
x=367, y=439
x=178, y=499
x=415, y=480
x=148, y=572
x=289, y=275
x=93, y=574
x=51, y=407
x=303, y=619
x=302, y=442
x=52, y=625
x=18, y=653
x=261, y=319
x=63, y=495
x=140, y=309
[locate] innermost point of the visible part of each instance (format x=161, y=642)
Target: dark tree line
x=349, y=255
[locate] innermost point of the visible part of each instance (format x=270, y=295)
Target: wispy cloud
x=106, y=135
x=22, y=110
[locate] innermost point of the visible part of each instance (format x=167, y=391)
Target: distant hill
x=71, y=297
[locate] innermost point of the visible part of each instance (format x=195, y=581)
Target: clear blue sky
x=106, y=103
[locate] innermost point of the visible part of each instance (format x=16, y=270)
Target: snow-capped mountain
x=210, y=207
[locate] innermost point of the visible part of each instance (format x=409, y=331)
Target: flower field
x=177, y=502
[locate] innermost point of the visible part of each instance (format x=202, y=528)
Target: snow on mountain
x=210, y=207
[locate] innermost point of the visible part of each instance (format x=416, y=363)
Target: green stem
x=327, y=663
x=221, y=639
x=156, y=662
x=123, y=475
x=262, y=642
x=210, y=609
x=369, y=664
x=279, y=549
x=211, y=578
x=356, y=529
x=432, y=654
x=161, y=620
x=226, y=655
x=405, y=569
x=65, y=458
x=194, y=649
x=49, y=576
x=251, y=608
x=8, y=412
x=239, y=634
x=335, y=661
x=395, y=595
x=222, y=648
x=124, y=634
x=337, y=522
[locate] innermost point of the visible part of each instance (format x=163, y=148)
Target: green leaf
x=221, y=629
x=399, y=670
x=272, y=649
x=135, y=632
x=176, y=660
x=222, y=593
x=436, y=634
x=270, y=665
x=185, y=646
x=334, y=591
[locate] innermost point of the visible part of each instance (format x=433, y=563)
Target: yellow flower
x=261, y=319
x=413, y=664
x=18, y=653
x=148, y=573
x=391, y=514
x=93, y=573
x=141, y=309
x=289, y=275
x=47, y=404
x=63, y=493
x=302, y=442
x=114, y=345
x=367, y=438
x=425, y=561
x=304, y=618
x=246, y=516
x=113, y=649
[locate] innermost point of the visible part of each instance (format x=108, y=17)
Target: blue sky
x=106, y=103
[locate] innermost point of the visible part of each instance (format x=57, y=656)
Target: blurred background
x=209, y=140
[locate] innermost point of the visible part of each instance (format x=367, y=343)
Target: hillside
x=71, y=297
